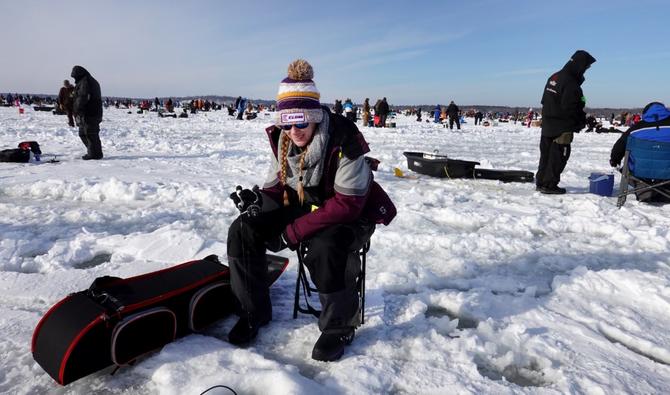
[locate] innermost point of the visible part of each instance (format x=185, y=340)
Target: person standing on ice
x=562, y=115
x=66, y=101
x=87, y=110
x=319, y=190
x=241, y=106
x=382, y=109
x=366, y=112
x=338, y=107
x=454, y=116
x=349, y=110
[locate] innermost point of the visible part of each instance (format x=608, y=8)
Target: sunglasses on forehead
x=297, y=125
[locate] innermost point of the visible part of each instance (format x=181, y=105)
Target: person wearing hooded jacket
x=562, y=115
x=453, y=113
x=654, y=115
x=338, y=107
x=383, y=110
x=87, y=110
x=65, y=101
x=319, y=190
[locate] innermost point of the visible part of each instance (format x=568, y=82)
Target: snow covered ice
x=476, y=287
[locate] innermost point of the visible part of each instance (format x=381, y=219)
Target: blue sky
x=428, y=52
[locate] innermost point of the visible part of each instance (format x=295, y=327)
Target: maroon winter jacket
x=335, y=207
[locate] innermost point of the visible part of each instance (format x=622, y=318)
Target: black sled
x=21, y=154
x=439, y=165
x=117, y=320
x=43, y=108
x=505, y=175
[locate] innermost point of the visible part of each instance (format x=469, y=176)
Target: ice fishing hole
x=95, y=261
x=463, y=322
x=524, y=376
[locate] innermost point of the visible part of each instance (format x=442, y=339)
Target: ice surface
x=476, y=287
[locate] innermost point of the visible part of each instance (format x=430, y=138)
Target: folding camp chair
x=646, y=164
x=303, y=282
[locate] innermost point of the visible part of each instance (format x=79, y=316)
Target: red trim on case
x=63, y=363
x=39, y=324
x=126, y=321
x=283, y=267
x=167, y=269
x=174, y=292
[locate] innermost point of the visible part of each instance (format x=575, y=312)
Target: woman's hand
x=248, y=201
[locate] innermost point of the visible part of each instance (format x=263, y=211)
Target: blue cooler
x=601, y=184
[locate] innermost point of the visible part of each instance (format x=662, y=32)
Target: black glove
x=248, y=201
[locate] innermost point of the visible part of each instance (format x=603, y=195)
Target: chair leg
x=361, y=288
x=641, y=185
x=623, y=186
x=644, y=186
x=296, y=301
x=303, y=282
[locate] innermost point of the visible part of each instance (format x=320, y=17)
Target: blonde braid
x=283, y=162
x=301, y=189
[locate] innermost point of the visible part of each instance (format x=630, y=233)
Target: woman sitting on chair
x=320, y=190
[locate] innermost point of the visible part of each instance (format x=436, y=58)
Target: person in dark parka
x=338, y=107
x=453, y=113
x=319, y=190
x=383, y=110
x=562, y=115
x=87, y=110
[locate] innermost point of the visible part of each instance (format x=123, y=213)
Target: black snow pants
x=382, y=120
x=452, y=120
x=553, y=159
x=89, y=133
x=331, y=259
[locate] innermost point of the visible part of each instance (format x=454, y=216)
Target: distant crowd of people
x=83, y=105
x=376, y=115
x=16, y=99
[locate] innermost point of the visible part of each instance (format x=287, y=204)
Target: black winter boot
x=330, y=346
x=244, y=331
x=555, y=190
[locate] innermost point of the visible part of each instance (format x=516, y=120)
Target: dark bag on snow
x=21, y=154
x=116, y=320
x=439, y=165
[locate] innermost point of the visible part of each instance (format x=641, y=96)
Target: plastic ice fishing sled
x=443, y=167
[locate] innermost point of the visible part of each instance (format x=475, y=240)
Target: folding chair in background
x=646, y=164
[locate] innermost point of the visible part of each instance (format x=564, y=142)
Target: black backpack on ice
x=116, y=320
x=21, y=154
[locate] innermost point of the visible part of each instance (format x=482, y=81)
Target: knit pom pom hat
x=298, y=98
